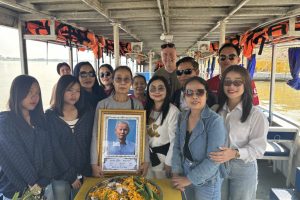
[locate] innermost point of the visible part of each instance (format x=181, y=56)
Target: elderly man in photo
x=168, y=56
x=121, y=146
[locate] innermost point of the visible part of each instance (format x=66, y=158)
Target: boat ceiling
x=187, y=20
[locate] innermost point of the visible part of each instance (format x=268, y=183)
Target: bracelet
x=237, y=154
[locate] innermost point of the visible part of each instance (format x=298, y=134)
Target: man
x=168, y=56
x=229, y=55
x=121, y=146
x=187, y=68
x=62, y=69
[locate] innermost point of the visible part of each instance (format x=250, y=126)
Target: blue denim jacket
x=208, y=135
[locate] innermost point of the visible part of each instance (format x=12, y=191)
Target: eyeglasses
x=87, y=74
x=169, y=45
x=157, y=90
x=229, y=57
x=185, y=71
x=236, y=83
x=120, y=80
x=191, y=93
x=105, y=74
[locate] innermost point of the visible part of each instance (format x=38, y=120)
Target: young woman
x=200, y=131
x=247, y=128
x=122, y=79
x=71, y=131
x=162, y=119
x=26, y=159
x=105, y=78
x=86, y=75
x=139, y=86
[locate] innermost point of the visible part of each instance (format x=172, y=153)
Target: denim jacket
x=208, y=135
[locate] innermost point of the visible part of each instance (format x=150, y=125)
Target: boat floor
x=267, y=180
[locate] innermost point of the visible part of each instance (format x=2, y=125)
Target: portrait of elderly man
x=121, y=146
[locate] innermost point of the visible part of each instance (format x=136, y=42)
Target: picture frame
x=121, y=141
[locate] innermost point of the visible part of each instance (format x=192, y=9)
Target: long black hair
x=97, y=92
x=64, y=83
x=19, y=89
x=76, y=72
x=150, y=103
x=246, y=96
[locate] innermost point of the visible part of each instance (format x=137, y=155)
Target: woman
x=105, y=78
x=162, y=118
x=122, y=79
x=71, y=130
x=247, y=127
x=139, y=86
x=200, y=131
x=86, y=75
x=26, y=158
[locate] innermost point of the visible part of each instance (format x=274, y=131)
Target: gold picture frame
x=121, y=149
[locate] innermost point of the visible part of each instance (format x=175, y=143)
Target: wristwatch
x=237, y=154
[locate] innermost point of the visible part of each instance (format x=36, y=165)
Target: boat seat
x=287, y=194
x=281, y=146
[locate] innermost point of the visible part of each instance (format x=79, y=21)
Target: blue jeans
x=62, y=190
x=242, y=181
x=210, y=190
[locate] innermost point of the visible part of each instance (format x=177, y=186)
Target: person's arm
x=216, y=134
x=177, y=154
x=257, y=144
x=172, y=121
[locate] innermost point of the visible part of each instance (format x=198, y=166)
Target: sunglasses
x=169, y=45
x=229, y=57
x=105, y=74
x=184, y=71
x=120, y=80
x=157, y=90
x=236, y=83
x=87, y=74
x=191, y=93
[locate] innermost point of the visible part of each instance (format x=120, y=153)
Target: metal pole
x=272, y=85
x=116, y=44
x=222, y=33
x=71, y=57
x=150, y=64
x=23, y=51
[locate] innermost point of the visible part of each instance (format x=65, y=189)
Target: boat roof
x=187, y=20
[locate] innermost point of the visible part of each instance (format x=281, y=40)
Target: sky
x=9, y=47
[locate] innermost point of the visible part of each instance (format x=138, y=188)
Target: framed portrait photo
x=121, y=141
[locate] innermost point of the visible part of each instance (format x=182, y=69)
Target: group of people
x=200, y=134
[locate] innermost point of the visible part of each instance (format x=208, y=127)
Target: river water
x=287, y=100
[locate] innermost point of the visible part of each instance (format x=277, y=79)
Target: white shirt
x=166, y=132
x=249, y=137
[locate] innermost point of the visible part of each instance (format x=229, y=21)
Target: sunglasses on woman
x=105, y=74
x=229, y=57
x=191, y=93
x=236, y=83
x=169, y=45
x=87, y=74
x=184, y=71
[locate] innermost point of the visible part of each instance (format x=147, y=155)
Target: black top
x=25, y=155
x=186, y=151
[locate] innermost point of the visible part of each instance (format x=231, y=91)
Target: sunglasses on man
x=167, y=45
x=105, y=74
x=191, y=93
x=87, y=74
x=236, y=83
x=184, y=71
x=229, y=57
